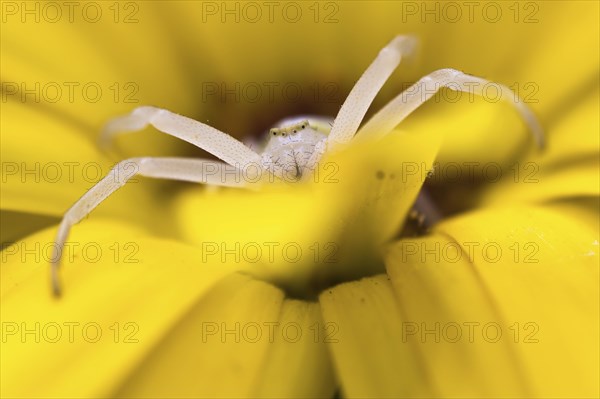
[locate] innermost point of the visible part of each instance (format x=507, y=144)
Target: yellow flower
x=499, y=299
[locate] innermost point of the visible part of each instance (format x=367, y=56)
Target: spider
x=295, y=145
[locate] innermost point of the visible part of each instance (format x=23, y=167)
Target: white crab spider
x=302, y=140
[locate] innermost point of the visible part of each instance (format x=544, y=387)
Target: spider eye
x=295, y=131
x=274, y=132
x=302, y=126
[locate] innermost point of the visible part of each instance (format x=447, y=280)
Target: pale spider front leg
x=182, y=169
x=361, y=96
x=214, y=141
x=203, y=136
x=346, y=123
x=386, y=119
x=352, y=112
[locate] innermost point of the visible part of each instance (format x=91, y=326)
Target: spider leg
x=220, y=144
x=366, y=88
x=183, y=169
x=404, y=104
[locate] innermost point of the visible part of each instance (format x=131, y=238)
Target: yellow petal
x=123, y=292
x=317, y=53
x=312, y=234
x=537, y=273
x=369, y=356
x=48, y=164
x=569, y=167
x=450, y=321
x=527, y=36
x=585, y=210
x=298, y=364
x=16, y=225
x=217, y=349
x=83, y=70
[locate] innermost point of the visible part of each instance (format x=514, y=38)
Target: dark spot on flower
x=380, y=174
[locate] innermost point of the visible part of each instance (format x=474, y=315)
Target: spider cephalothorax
x=295, y=145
